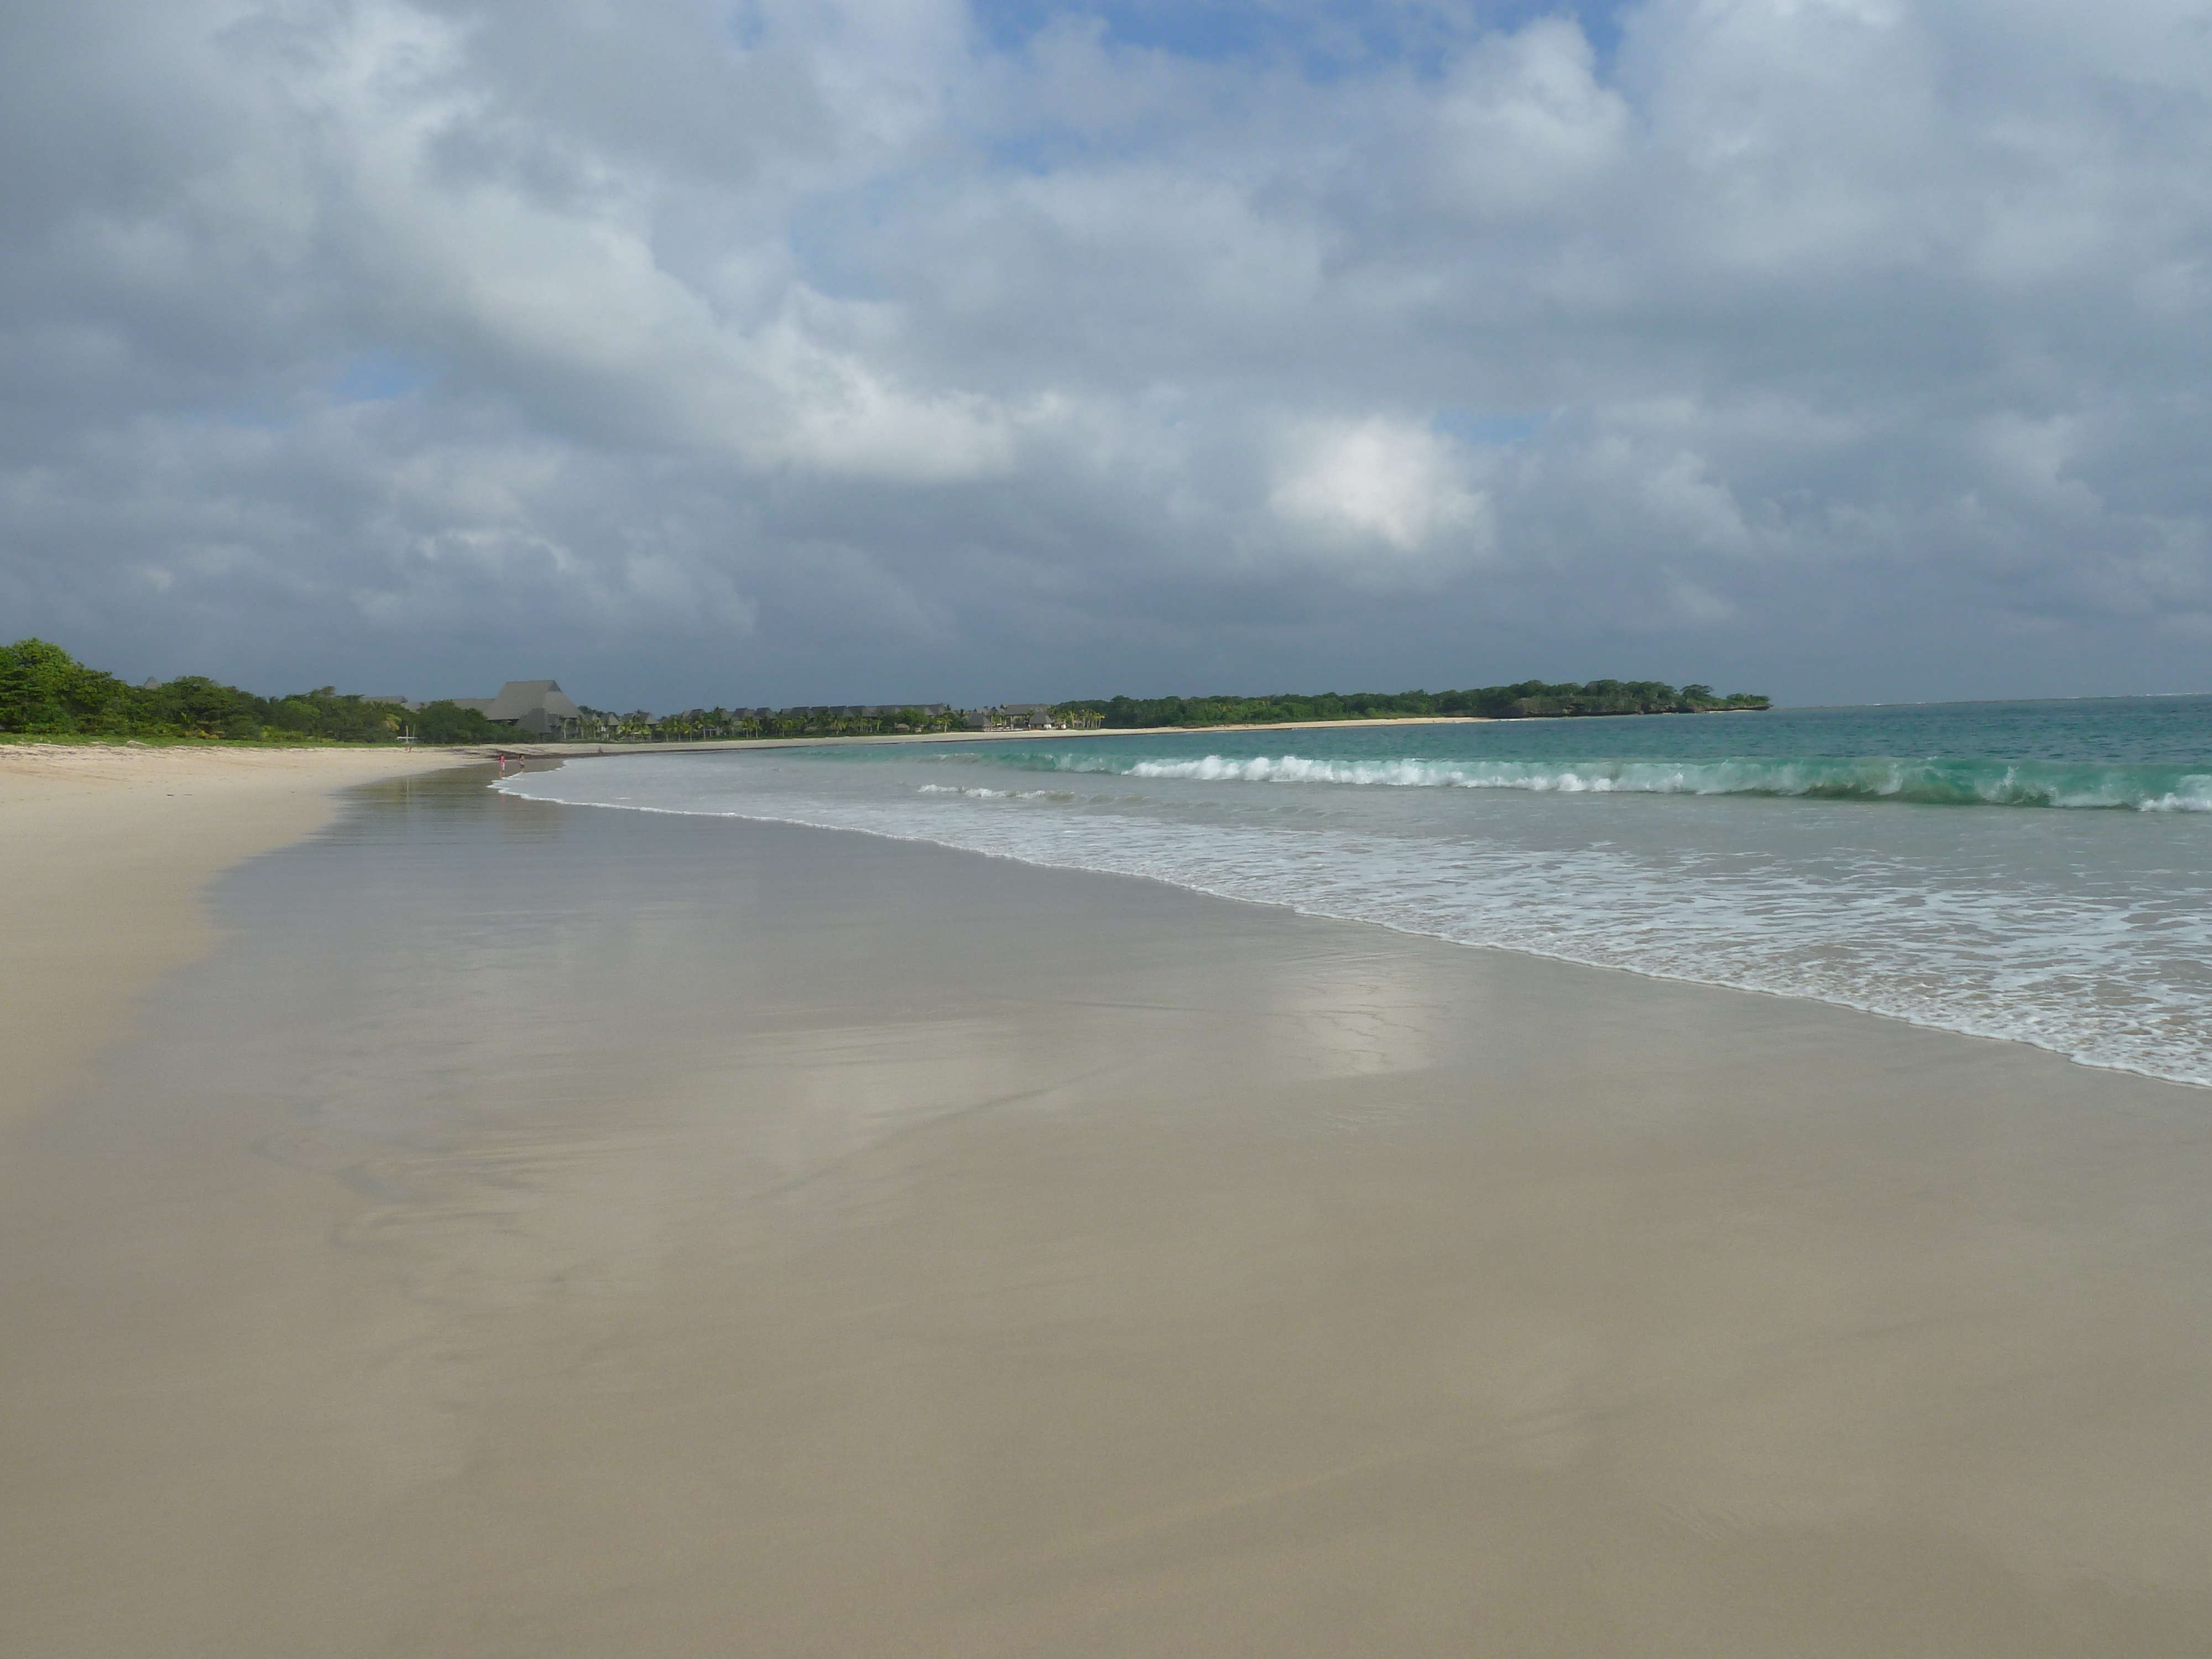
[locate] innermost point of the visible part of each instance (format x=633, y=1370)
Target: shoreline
x=544, y=751
x=252, y=799
x=2058, y=1045
x=830, y=1253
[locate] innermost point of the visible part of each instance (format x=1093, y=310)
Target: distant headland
x=45, y=692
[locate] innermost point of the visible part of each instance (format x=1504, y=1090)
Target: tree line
x=45, y=691
x=1530, y=700
x=704, y=725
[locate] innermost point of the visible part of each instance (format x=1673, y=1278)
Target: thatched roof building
x=538, y=707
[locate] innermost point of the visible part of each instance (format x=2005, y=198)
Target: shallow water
x=2038, y=872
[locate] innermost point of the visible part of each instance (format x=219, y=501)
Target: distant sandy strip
x=574, y=750
x=577, y=750
x=104, y=851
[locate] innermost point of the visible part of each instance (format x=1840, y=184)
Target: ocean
x=2040, y=872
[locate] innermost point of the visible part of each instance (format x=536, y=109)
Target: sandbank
x=536, y=1231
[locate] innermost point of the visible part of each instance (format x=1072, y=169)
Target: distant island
x=1530, y=700
x=45, y=692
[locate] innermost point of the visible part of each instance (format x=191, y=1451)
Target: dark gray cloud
x=792, y=352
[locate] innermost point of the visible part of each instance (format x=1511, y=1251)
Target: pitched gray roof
x=518, y=697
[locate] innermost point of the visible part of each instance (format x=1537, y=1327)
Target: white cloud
x=1376, y=481
x=1794, y=324
x=1525, y=120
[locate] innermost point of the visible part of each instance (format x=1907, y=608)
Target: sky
x=874, y=350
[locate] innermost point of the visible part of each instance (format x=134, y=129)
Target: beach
x=108, y=848
x=443, y=1222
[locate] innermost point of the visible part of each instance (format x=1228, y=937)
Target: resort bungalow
x=1035, y=716
x=538, y=707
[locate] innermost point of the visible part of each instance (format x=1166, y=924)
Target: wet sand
x=542, y=1231
x=104, y=850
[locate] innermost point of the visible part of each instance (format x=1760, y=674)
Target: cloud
x=1378, y=486
x=857, y=349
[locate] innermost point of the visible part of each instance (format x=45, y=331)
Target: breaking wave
x=2088, y=933
x=2142, y=788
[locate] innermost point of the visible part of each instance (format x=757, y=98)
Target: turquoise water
x=2035, y=871
x=2151, y=754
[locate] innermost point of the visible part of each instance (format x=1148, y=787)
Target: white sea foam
x=2150, y=789
x=1999, y=924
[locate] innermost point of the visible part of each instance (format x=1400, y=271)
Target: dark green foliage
x=1530, y=700
x=45, y=691
x=696, y=724
x=448, y=722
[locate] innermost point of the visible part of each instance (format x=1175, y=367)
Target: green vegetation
x=700, y=724
x=448, y=722
x=45, y=692
x=1530, y=700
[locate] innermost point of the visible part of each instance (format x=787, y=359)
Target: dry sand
x=548, y=1232
x=103, y=853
